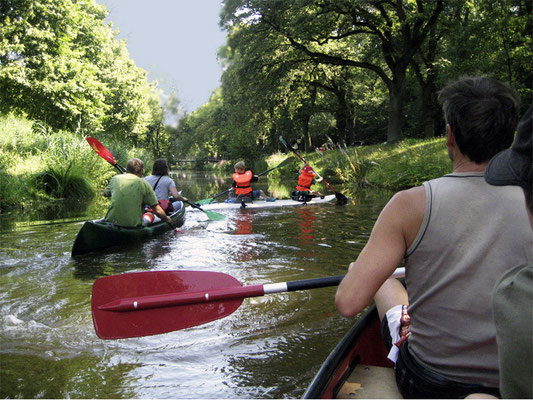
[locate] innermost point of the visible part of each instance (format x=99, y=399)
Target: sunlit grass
x=398, y=166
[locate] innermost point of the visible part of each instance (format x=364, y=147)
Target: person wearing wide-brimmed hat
x=513, y=293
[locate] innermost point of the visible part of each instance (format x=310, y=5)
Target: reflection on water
x=270, y=347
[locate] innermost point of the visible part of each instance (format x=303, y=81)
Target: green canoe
x=99, y=234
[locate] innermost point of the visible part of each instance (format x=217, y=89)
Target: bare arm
x=392, y=234
x=174, y=192
x=161, y=213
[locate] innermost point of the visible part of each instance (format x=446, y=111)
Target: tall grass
x=37, y=164
x=64, y=181
x=408, y=164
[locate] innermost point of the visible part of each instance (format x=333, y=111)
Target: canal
x=270, y=347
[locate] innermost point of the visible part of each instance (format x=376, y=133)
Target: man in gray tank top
x=457, y=235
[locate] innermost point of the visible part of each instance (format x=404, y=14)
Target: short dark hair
x=134, y=166
x=160, y=167
x=482, y=113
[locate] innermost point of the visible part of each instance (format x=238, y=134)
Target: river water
x=270, y=347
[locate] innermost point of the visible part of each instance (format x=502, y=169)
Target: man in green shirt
x=129, y=194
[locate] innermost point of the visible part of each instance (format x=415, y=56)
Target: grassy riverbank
x=39, y=167
x=399, y=166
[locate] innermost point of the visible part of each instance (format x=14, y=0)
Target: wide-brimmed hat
x=513, y=166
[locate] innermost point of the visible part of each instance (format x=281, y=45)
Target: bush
x=65, y=181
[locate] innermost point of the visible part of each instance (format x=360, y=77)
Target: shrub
x=64, y=181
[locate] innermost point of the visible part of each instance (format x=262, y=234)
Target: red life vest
x=304, y=181
x=243, y=183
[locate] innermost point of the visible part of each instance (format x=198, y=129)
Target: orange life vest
x=304, y=181
x=243, y=183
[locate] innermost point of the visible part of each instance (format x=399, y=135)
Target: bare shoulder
x=412, y=200
x=407, y=209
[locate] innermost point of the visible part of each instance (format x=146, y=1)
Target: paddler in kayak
x=163, y=186
x=129, y=194
x=242, y=180
x=306, y=179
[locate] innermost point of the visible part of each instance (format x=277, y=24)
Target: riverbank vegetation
x=41, y=167
x=329, y=75
x=385, y=166
x=38, y=165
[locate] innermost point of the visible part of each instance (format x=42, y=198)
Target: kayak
x=267, y=204
x=358, y=366
x=99, y=234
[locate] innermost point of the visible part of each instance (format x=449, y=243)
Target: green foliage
x=302, y=56
x=65, y=180
x=13, y=189
x=39, y=164
x=408, y=164
x=63, y=65
x=352, y=70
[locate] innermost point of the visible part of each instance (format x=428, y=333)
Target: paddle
x=153, y=302
x=284, y=162
x=213, y=216
x=210, y=199
x=104, y=153
x=341, y=199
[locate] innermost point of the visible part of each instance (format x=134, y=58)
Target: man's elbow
x=348, y=307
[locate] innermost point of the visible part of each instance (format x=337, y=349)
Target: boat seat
x=370, y=382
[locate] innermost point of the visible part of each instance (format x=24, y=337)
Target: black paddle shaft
x=314, y=283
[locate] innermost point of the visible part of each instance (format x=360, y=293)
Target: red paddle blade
x=153, y=321
x=101, y=150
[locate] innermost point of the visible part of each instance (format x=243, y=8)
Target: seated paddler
x=306, y=179
x=129, y=194
x=242, y=183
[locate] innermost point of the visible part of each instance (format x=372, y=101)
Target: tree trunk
x=306, y=134
x=344, y=117
x=396, y=97
x=308, y=111
x=427, y=111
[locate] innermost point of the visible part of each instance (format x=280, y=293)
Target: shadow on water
x=58, y=212
x=77, y=377
x=120, y=259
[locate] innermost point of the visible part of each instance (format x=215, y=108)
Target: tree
x=61, y=64
x=330, y=32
